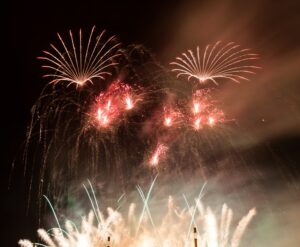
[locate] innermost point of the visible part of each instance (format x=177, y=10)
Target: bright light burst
x=172, y=116
x=228, y=62
x=158, y=154
x=78, y=63
x=203, y=110
x=138, y=227
x=113, y=103
x=199, y=110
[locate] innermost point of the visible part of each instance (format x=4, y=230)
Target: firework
x=112, y=104
x=227, y=62
x=197, y=111
x=159, y=152
x=79, y=63
x=172, y=228
x=81, y=133
x=101, y=130
x=87, y=132
x=203, y=110
x=171, y=117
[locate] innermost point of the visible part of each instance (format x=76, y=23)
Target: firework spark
x=198, y=111
x=79, y=63
x=228, y=62
x=171, y=116
x=113, y=103
x=159, y=152
x=172, y=228
x=128, y=103
x=203, y=110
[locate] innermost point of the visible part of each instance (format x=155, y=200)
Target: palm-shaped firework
x=228, y=61
x=79, y=63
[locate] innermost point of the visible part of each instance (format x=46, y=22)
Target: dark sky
x=165, y=27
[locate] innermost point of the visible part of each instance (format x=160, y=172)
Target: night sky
x=166, y=28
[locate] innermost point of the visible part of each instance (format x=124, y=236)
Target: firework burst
x=171, y=116
x=113, y=104
x=158, y=154
x=227, y=62
x=78, y=63
x=204, y=111
x=92, y=132
x=138, y=226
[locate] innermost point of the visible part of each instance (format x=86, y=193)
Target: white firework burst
x=172, y=227
x=228, y=62
x=78, y=63
x=171, y=232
